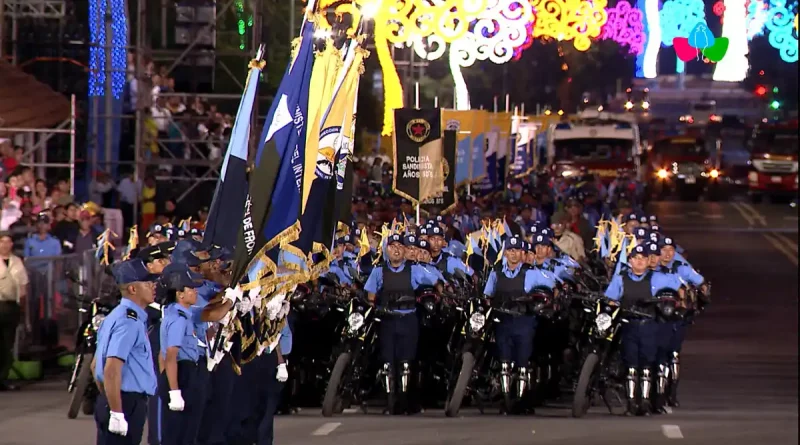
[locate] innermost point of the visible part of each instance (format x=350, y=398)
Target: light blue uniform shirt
x=686, y=272
x=453, y=264
x=286, y=339
x=177, y=330
x=338, y=268
x=123, y=335
x=533, y=278
x=419, y=278
x=205, y=293
x=658, y=281
x=431, y=269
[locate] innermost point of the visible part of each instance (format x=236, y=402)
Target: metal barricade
x=58, y=285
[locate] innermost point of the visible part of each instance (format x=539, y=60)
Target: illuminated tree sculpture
x=733, y=67
x=781, y=23
x=678, y=19
x=576, y=20
x=625, y=27
x=647, y=61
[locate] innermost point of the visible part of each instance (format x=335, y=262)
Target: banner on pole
x=417, y=153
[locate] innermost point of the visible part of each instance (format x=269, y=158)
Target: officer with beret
x=634, y=288
x=392, y=287
x=507, y=287
x=123, y=363
x=178, y=357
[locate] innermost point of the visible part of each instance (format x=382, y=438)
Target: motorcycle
x=351, y=379
x=81, y=382
x=601, y=369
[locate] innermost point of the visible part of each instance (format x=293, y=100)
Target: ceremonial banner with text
x=461, y=122
x=480, y=126
x=445, y=200
x=417, y=153
x=503, y=121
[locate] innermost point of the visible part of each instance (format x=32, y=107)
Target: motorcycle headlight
x=667, y=309
x=476, y=322
x=603, y=322
x=355, y=320
x=96, y=320
x=429, y=306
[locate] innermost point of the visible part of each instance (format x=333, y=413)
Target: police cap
x=410, y=240
x=638, y=250
x=159, y=251
x=652, y=248
x=178, y=278
x=513, y=242
x=131, y=271
x=435, y=231
x=394, y=238
x=666, y=241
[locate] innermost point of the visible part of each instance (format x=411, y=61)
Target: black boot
x=630, y=388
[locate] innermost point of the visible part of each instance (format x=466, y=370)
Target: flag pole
x=416, y=105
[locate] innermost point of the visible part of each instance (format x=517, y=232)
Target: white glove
x=176, y=402
x=255, y=296
x=274, y=305
x=282, y=374
x=233, y=294
x=117, y=424
x=244, y=305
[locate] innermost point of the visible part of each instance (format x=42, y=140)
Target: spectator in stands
x=13, y=291
x=87, y=237
x=67, y=229
x=65, y=197
x=38, y=248
x=40, y=198
x=166, y=214
x=98, y=223
x=27, y=178
x=130, y=189
x=7, y=152
x=101, y=189
x=148, y=199
x=9, y=214
x=59, y=213
x=22, y=228
x=202, y=217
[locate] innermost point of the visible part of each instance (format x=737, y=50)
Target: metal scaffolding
x=17, y=9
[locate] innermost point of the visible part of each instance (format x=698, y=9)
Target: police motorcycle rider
x=339, y=266
x=669, y=263
x=391, y=287
x=123, y=364
x=507, y=287
x=443, y=261
x=635, y=288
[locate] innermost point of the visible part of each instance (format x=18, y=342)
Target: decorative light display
x=528, y=41
x=576, y=20
x=757, y=12
x=678, y=19
x=97, y=52
x=733, y=67
x=782, y=30
x=653, y=45
x=719, y=10
x=625, y=27
x=241, y=25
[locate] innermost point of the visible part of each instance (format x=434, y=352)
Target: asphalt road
x=740, y=362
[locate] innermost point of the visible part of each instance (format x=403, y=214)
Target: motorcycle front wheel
x=583, y=400
x=81, y=383
x=453, y=405
x=332, y=403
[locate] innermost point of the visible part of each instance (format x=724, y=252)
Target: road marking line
x=350, y=411
x=741, y=211
x=782, y=248
x=791, y=218
x=756, y=214
x=326, y=429
x=672, y=431
x=786, y=241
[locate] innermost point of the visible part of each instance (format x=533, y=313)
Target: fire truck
x=683, y=165
x=603, y=143
x=773, y=161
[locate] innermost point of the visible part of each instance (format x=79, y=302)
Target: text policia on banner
x=417, y=142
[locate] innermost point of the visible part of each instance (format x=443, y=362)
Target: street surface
x=739, y=365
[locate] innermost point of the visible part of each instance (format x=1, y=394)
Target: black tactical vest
x=508, y=290
x=442, y=264
x=636, y=292
x=397, y=291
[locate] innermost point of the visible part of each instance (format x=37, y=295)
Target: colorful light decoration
x=678, y=18
x=625, y=27
x=653, y=45
x=528, y=40
x=564, y=20
x=780, y=25
x=734, y=66
x=757, y=12
x=97, y=52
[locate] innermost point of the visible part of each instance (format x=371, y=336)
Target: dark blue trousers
x=398, y=337
x=246, y=393
x=175, y=425
x=271, y=399
x=199, y=395
x=134, y=406
x=640, y=344
x=153, y=417
x=219, y=405
x=514, y=338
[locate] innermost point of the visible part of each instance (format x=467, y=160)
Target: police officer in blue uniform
x=684, y=270
x=178, y=357
x=508, y=286
x=275, y=376
x=445, y=262
x=391, y=287
x=339, y=266
x=635, y=288
x=123, y=364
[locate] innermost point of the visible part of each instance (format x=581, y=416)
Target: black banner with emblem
x=417, y=141
x=445, y=201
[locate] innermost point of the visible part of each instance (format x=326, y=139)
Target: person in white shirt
x=161, y=115
x=129, y=191
x=9, y=214
x=13, y=290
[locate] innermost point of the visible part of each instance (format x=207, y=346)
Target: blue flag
x=229, y=197
x=272, y=208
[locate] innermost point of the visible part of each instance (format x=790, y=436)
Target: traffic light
x=775, y=105
x=761, y=90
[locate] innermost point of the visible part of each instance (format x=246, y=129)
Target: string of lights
x=97, y=51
